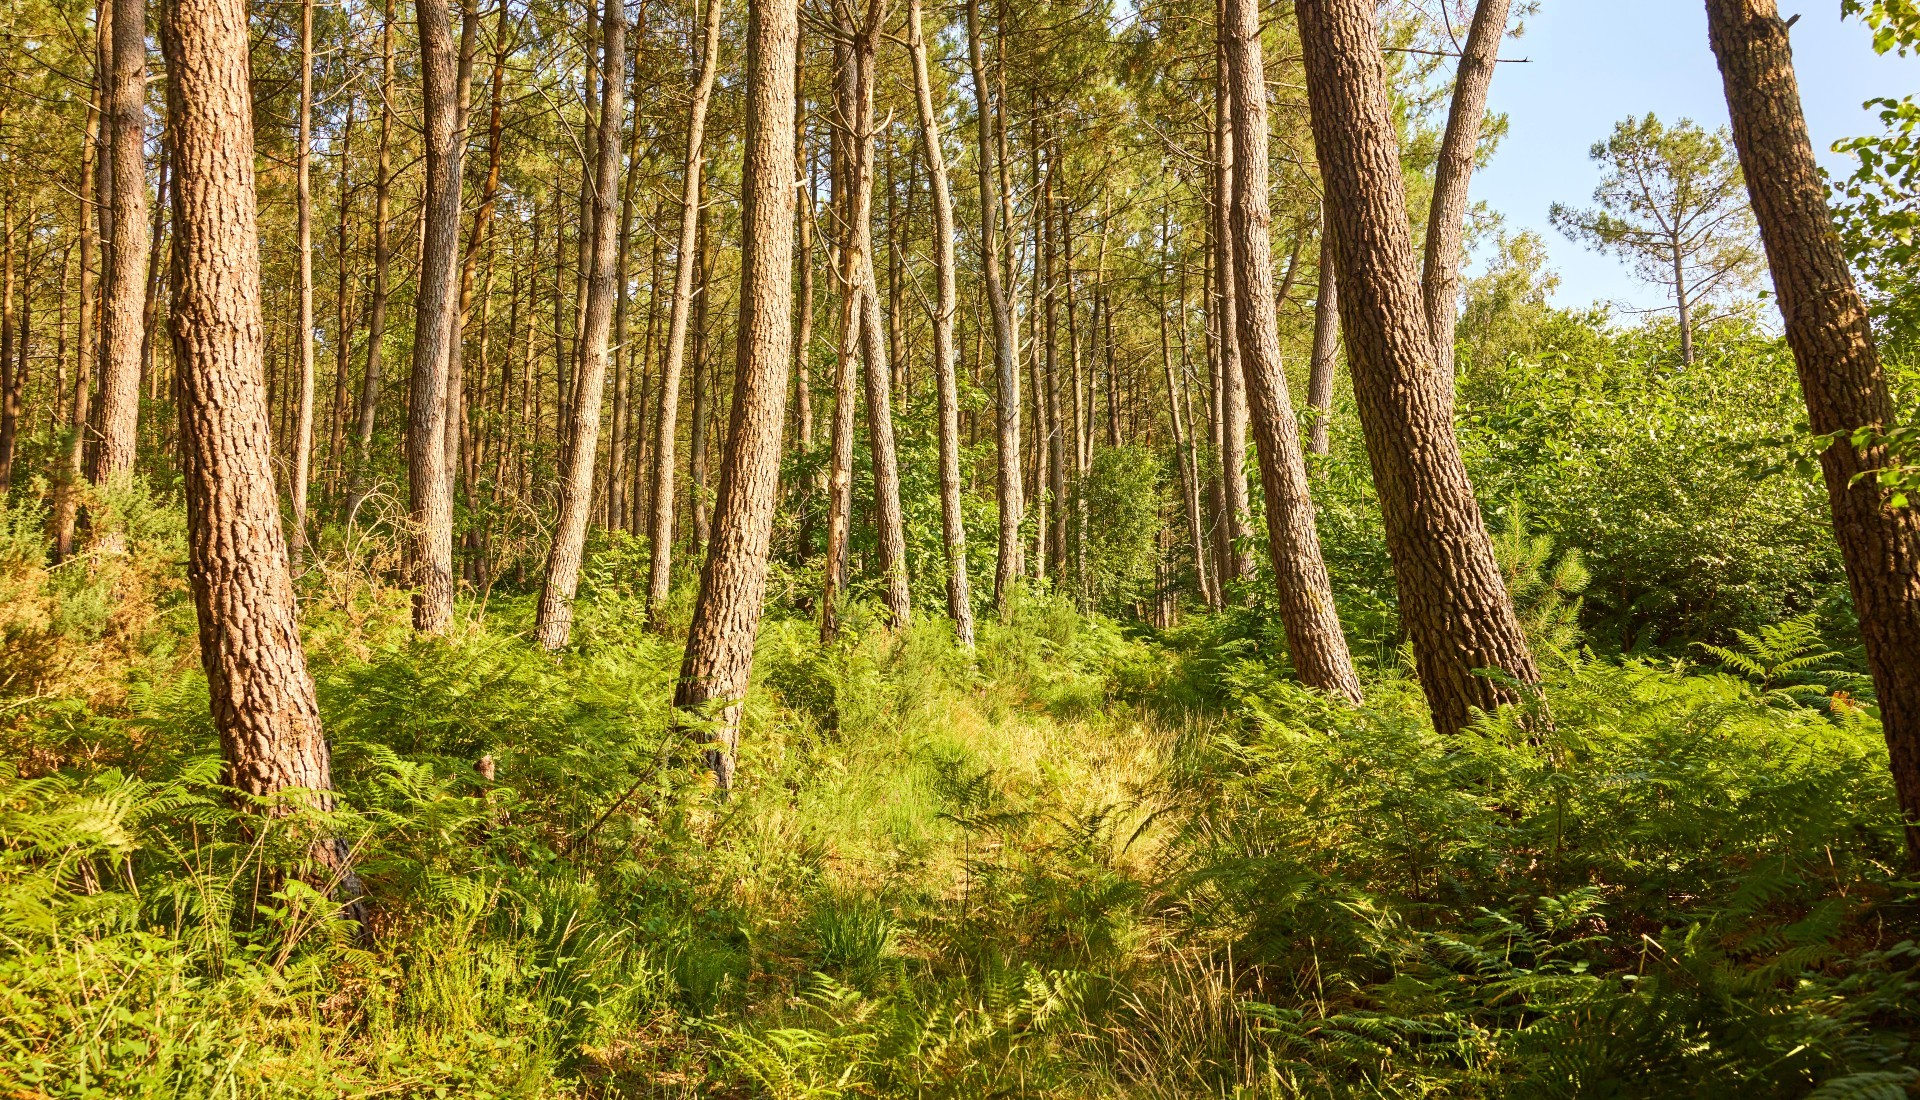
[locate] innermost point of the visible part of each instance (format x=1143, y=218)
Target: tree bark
x=1011, y=562
x=1840, y=372
x=430, y=488
x=953, y=530
x=726, y=616
x=12, y=377
x=66, y=504
x=1314, y=638
x=359, y=483
x=126, y=289
x=262, y=695
x=1440, y=276
x=342, y=319
x=666, y=424
x=852, y=302
x=1326, y=347
x=1236, y=561
x=554, y=621
x=1453, y=602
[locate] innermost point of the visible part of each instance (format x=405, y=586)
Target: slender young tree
x=1011, y=562
x=303, y=202
x=1314, y=638
x=430, y=489
x=1467, y=641
x=852, y=302
x=1235, y=560
x=1440, y=273
x=667, y=422
x=342, y=313
x=126, y=284
x=1325, y=361
x=1845, y=388
x=66, y=503
x=262, y=695
x=953, y=530
x=726, y=615
x=359, y=483
x=554, y=621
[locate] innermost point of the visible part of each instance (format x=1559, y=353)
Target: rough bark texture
x=667, y=422
x=1314, y=638
x=262, y=695
x=1840, y=373
x=1440, y=276
x=1012, y=555
x=952, y=529
x=126, y=284
x=726, y=616
x=1326, y=348
x=1453, y=601
x=554, y=621
x=430, y=490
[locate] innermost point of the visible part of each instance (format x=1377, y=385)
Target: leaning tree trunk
x=1314, y=637
x=1840, y=373
x=1453, y=602
x=126, y=291
x=431, y=491
x=1440, y=277
x=952, y=527
x=667, y=423
x=726, y=616
x=554, y=621
x=262, y=695
x=1012, y=557
x=889, y=524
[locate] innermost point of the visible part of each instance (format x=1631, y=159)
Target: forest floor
x=1085, y=861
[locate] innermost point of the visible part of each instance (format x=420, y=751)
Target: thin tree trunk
x=726, y=615
x=13, y=375
x=803, y=213
x=554, y=621
x=1440, y=276
x=1236, y=560
x=1314, y=638
x=342, y=320
x=1011, y=562
x=1841, y=377
x=888, y=520
x=66, y=504
x=1183, y=439
x=126, y=289
x=702, y=412
x=852, y=302
x=303, y=202
x=262, y=695
x=435, y=309
x=1453, y=601
x=666, y=424
x=1683, y=302
x=952, y=526
x=359, y=483
x=1326, y=347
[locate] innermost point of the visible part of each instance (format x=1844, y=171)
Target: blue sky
x=1593, y=62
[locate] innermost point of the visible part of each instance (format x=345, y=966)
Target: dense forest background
x=856, y=548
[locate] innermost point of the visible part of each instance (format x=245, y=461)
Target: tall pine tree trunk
x=360, y=482
x=1011, y=562
x=726, y=615
x=1440, y=275
x=667, y=422
x=126, y=290
x=303, y=203
x=1453, y=602
x=262, y=695
x=1314, y=638
x=430, y=488
x=953, y=530
x=1325, y=361
x=554, y=621
x=1840, y=372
